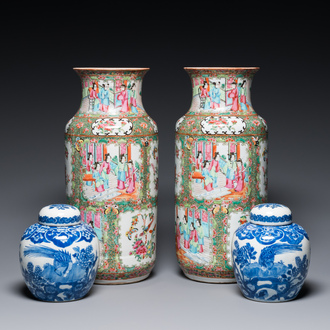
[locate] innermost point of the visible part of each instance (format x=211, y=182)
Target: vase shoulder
x=111, y=126
x=218, y=125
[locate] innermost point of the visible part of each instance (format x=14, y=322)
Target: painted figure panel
x=194, y=235
x=111, y=170
x=220, y=169
x=111, y=95
x=220, y=94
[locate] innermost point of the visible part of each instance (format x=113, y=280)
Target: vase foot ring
x=209, y=279
x=124, y=281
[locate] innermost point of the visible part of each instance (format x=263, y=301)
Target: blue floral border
x=38, y=234
x=263, y=218
x=59, y=220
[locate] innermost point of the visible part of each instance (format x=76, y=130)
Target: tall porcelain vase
x=111, y=152
x=221, y=170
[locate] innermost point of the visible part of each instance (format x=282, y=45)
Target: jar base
x=209, y=279
x=269, y=301
x=122, y=281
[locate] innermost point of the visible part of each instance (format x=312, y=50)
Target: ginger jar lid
x=59, y=215
x=271, y=214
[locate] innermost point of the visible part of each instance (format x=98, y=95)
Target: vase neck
x=221, y=91
x=111, y=92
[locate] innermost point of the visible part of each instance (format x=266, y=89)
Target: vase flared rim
x=108, y=69
x=221, y=68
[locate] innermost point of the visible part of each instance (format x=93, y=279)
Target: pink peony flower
x=141, y=250
x=137, y=243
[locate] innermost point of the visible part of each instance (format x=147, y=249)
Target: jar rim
x=59, y=215
x=271, y=214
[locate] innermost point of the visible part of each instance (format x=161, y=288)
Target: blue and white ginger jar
x=270, y=254
x=59, y=255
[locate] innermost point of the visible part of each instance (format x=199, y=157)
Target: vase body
x=59, y=255
x=221, y=170
x=271, y=255
x=112, y=171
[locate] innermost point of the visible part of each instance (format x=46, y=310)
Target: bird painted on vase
x=62, y=259
x=146, y=228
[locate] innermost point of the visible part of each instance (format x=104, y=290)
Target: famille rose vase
x=271, y=255
x=221, y=170
x=111, y=152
